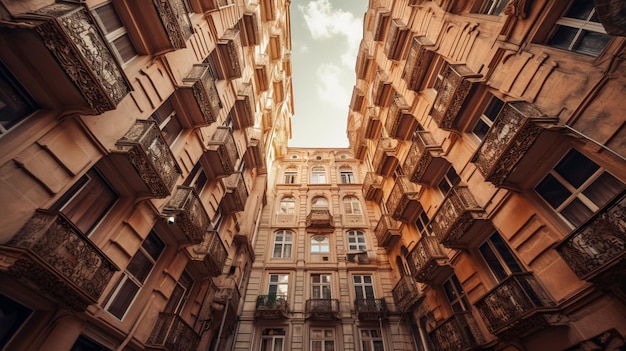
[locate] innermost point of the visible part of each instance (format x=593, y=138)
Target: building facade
x=493, y=134
x=136, y=138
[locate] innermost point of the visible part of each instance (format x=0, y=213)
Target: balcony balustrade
x=372, y=125
x=255, y=151
x=320, y=220
x=190, y=216
x=381, y=23
x=403, y=201
x=423, y=163
x=221, y=156
x=235, y=195
x=199, y=94
x=516, y=307
x=322, y=309
x=457, y=333
x=51, y=253
x=176, y=27
x=358, y=144
x=271, y=307
x=356, y=102
x=400, y=123
x=250, y=26
x=458, y=82
x=371, y=309
x=211, y=254
x=244, y=108
x=406, y=294
x=365, y=62
x=387, y=231
x=63, y=38
x=397, y=37
x=458, y=219
x=262, y=72
x=383, y=89
x=149, y=157
x=171, y=332
x=385, y=158
x=373, y=186
x=418, y=62
x=230, y=53
x=428, y=262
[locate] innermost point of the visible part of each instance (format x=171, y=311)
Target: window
x=371, y=340
x=15, y=103
x=580, y=30
x=273, y=340
x=423, y=224
x=115, y=32
x=499, y=257
x=320, y=244
x=449, y=181
x=180, y=294
x=363, y=287
x=318, y=175
x=320, y=286
x=279, y=285
x=283, y=240
x=217, y=219
x=197, y=178
x=493, y=7
x=287, y=205
x=356, y=240
x=290, y=176
x=165, y=116
x=347, y=176
x=486, y=119
x=352, y=205
x=322, y=339
x=87, y=201
x=319, y=202
x=577, y=187
x=456, y=295
x=13, y=315
x=135, y=276
x=84, y=343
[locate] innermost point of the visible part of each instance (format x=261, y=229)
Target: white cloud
x=330, y=87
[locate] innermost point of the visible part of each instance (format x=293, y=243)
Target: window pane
x=576, y=168
x=580, y=9
x=505, y=253
x=576, y=212
x=493, y=262
x=481, y=129
x=123, y=298
x=109, y=18
x=139, y=266
x=563, y=37
x=13, y=316
x=85, y=344
x=15, y=103
x=592, y=43
x=125, y=48
x=494, y=107
x=552, y=191
x=603, y=189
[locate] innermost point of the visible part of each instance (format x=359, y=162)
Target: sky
x=325, y=38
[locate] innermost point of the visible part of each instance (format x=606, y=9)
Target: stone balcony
x=211, y=254
x=459, y=219
x=51, y=253
x=371, y=309
x=189, y=214
x=244, y=108
x=400, y=123
x=225, y=305
x=403, y=201
x=322, y=309
x=143, y=152
x=199, y=95
x=458, y=82
x=397, y=36
x=513, y=135
x=251, y=26
x=255, y=148
x=423, y=163
x=373, y=186
x=381, y=23
x=517, y=307
x=418, y=62
x=176, y=27
x=235, y=195
x=262, y=72
x=385, y=158
x=320, y=221
x=365, y=61
x=460, y=332
x=172, y=332
x=406, y=294
x=221, y=155
x=357, y=100
x=230, y=53
x=372, y=126
x=358, y=144
x=383, y=89
x=428, y=261
x=387, y=231
x=271, y=307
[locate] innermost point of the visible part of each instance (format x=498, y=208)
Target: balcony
x=518, y=126
x=176, y=27
x=403, y=201
x=365, y=62
x=371, y=309
x=271, y=307
x=199, y=94
x=52, y=254
x=418, y=62
x=397, y=37
x=262, y=72
x=250, y=26
x=358, y=144
x=255, y=151
x=211, y=254
x=385, y=158
x=406, y=294
x=356, y=103
x=517, y=307
x=596, y=250
x=320, y=221
x=190, y=216
x=428, y=262
x=400, y=123
x=147, y=156
x=423, y=163
x=457, y=333
x=221, y=155
x=235, y=195
x=381, y=23
x=171, y=332
x=268, y=10
x=244, y=107
x=62, y=40
x=373, y=186
x=459, y=219
x=387, y=231
x=275, y=48
x=230, y=55
x=279, y=86
x=372, y=125
x=458, y=82
x=383, y=89
x=322, y=309
x=226, y=301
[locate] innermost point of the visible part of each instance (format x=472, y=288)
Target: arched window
x=287, y=205
x=291, y=175
x=356, y=240
x=352, y=205
x=319, y=202
x=283, y=241
x=318, y=175
x=320, y=244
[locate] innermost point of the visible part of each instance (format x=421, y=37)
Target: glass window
x=356, y=240
x=84, y=343
x=449, y=181
x=456, y=295
x=283, y=241
x=135, y=276
x=577, y=187
x=580, y=30
x=13, y=315
x=371, y=340
x=322, y=339
x=499, y=257
x=347, y=176
x=493, y=7
x=197, y=178
x=486, y=119
x=290, y=176
x=273, y=340
x=320, y=244
x=363, y=286
x=115, y=32
x=287, y=205
x=15, y=103
x=423, y=224
x=352, y=205
x=318, y=175
x=320, y=286
x=180, y=294
x=165, y=116
x=278, y=285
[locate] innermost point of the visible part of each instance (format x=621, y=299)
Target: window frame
x=18, y=103
x=356, y=240
x=488, y=116
x=367, y=289
x=367, y=338
x=450, y=179
x=456, y=295
x=116, y=34
x=324, y=286
x=346, y=175
x=323, y=339
x=318, y=175
x=271, y=337
x=287, y=206
x=493, y=7
x=166, y=119
x=285, y=246
x=290, y=176
x=278, y=283
x=499, y=250
x=318, y=246
x=352, y=205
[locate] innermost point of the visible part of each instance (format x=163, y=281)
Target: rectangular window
x=318, y=175
x=423, y=224
x=500, y=259
x=13, y=315
x=352, y=205
x=278, y=285
x=320, y=244
x=449, y=181
x=320, y=286
x=135, y=276
x=197, y=178
x=580, y=30
x=347, y=177
x=322, y=339
x=288, y=206
x=363, y=286
x=456, y=295
x=15, y=103
x=486, y=119
x=493, y=7
x=371, y=340
x=84, y=343
x=290, y=177
x=165, y=116
x=356, y=240
x=115, y=32
x=180, y=294
x=283, y=241
x=273, y=340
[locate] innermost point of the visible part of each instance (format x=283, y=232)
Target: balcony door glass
x=273, y=339
x=456, y=295
x=363, y=286
x=278, y=285
x=499, y=257
x=320, y=286
x=371, y=340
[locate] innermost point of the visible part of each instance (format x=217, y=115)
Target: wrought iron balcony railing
x=176, y=24
x=371, y=309
x=190, y=215
x=458, y=82
x=458, y=217
x=418, y=62
x=236, y=193
x=373, y=186
x=221, y=156
x=271, y=307
x=457, y=333
x=173, y=333
x=244, y=107
x=387, y=230
x=405, y=293
x=383, y=89
x=199, y=90
x=385, y=158
x=230, y=53
x=52, y=253
x=212, y=252
x=403, y=201
x=428, y=262
x=322, y=309
x=423, y=163
x=400, y=123
x=397, y=36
